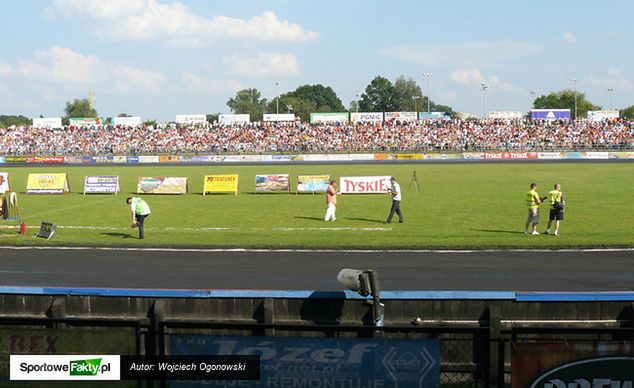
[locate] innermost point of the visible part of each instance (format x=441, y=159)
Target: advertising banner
x=548, y=155
x=191, y=119
x=401, y=116
x=168, y=158
x=101, y=185
x=126, y=121
x=595, y=155
x=408, y=156
x=364, y=184
x=272, y=183
x=312, y=183
x=221, y=184
x=161, y=185
x=568, y=364
x=47, y=184
x=600, y=115
x=431, y=115
x=85, y=121
x=505, y=115
x=149, y=159
x=47, y=122
x=4, y=182
x=322, y=118
x=324, y=362
x=550, y=114
x=234, y=119
x=366, y=117
x=279, y=117
x=45, y=159
x=15, y=159
x=621, y=155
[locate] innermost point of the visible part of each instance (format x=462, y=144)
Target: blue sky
x=159, y=58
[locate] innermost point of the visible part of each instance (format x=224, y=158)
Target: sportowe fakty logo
x=64, y=367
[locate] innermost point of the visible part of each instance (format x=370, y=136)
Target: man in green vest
x=533, y=201
x=557, y=203
x=140, y=210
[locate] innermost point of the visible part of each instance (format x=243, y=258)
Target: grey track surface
x=508, y=271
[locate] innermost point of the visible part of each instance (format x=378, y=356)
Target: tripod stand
x=414, y=183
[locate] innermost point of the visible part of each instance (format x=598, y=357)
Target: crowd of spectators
x=451, y=135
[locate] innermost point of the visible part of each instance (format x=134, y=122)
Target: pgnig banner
x=64, y=367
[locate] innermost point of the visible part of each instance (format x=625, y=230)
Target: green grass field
x=459, y=206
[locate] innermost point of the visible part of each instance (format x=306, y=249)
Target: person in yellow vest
x=140, y=210
x=557, y=204
x=533, y=200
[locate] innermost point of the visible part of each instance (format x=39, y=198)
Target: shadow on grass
x=364, y=219
x=498, y=231
x=310, y=218
x=118, y=234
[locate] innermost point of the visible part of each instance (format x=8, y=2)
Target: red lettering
x=51, y=341
x=16, y=344
x=34, y=343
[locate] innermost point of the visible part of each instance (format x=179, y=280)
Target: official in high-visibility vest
x=532, y=201
x=140, y=210
x=557, y=203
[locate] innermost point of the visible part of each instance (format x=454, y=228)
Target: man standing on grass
x=557, y=203
x=395, y=192
x=532, y=201
x=331, y=201
x=140, y=210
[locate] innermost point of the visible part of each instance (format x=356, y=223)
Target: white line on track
x=256, y=250
x=92, y=227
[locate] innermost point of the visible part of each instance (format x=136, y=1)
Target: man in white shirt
x=395, y=192
x=140, y=210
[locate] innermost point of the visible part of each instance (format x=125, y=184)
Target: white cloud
x=195, y=83
x=568, y=37
x=5, y=69
x=611, y=78
x=64, y=66
x=177, y=24
x=137, y=80
x=467, y=54
x=261, y=65
x=59, y=64
x=474, y=77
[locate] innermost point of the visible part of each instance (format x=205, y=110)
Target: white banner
x=279, y=117
x=400, y=116
x=334, y=117
x=64, y=367
x=126, y=121
x=366, y=117
x=234, y=119
x=548, y=155
x=364, y=184
x=191, y=119
x=47, y=122
x=600, y=115
x=595, y=155
x=505, y=115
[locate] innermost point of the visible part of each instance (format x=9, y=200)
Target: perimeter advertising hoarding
x=191, y=119
x=600, y=115
x=401, y=116
x=552, y=364
x=221, y=184
x=161, y=185
x=321, y=118
x=234, y=119
x=279, y=117
x=431, y=115
x=47, y=184
x=85, y=121
x=364, y=184
x=270, y=183
x=312, y=183
x=505, y=115
x=323, y=362
x=126, y=121
x=509, y=155
x=101, y=185
x=4, y=182
x=44, y=341
x=550, y=114
x=366, y=117
x=47, y=122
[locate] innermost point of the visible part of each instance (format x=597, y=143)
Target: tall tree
x=10, y=120
x=291, y=104
x=627, y=113
x=80, y=108
x=322, y=97
x=379, y=96
x=248, y=101
x=565, y=99
x=408, y=94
